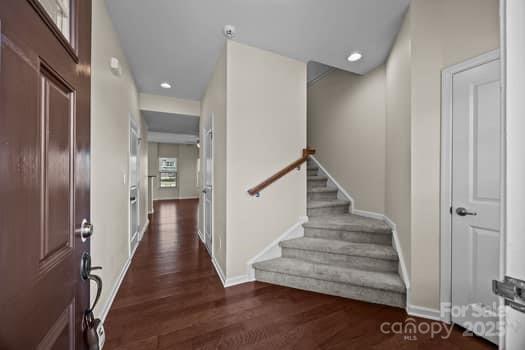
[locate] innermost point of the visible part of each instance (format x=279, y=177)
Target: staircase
x=340, y=254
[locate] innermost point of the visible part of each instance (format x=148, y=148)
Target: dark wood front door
x=44, y=171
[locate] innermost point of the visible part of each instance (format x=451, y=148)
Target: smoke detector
x=229, y=31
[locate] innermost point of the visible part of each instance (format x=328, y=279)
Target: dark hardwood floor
x=172, y=298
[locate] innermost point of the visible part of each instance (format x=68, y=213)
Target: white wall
x=113, y=100
x=398, y=116
x=346, y=126
x=266, y=131
x=187, y=156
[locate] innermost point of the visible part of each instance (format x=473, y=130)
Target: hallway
x=172, y=298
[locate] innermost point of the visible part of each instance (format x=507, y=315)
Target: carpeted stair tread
x=313, y=204
x=349, y=222
x=376, y=251
x=369, y=279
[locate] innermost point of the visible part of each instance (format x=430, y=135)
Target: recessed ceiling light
x=355, y=56
x=165, y=85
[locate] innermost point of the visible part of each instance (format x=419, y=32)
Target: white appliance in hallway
x=134, y=172
x=476, y=185
x=208, y=184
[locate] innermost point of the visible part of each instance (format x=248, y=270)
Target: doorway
x=471, y=238
x=134, y=190
x=208, y=185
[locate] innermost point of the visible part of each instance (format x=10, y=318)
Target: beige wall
x=346, y=126
x=397, y=172
x=442, y=33
x=266, y=130
x=113, y=100
x=187, y=156
x=214, y=102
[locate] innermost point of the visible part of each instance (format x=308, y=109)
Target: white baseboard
x=233, y=281
x=397, y=246
x=116, y=286
x=217, y=267
x=273, y=250
x=423, y=312
x=122, y=274
x=333, y=182
x=369, y=214
x=201, y=236
x=143, y=231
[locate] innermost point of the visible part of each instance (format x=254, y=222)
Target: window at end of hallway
x=168, y=172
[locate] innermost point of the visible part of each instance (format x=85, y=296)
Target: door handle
x=464, y=212
x=93, y=328
x=86, y=230
x=85, y=273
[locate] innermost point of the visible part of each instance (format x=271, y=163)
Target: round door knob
x=86, y=230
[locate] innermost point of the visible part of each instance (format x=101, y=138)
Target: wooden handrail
x=254, y=191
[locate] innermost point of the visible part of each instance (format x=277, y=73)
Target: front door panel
x=44, y=174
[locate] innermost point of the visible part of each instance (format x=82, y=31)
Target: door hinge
x=512, y=290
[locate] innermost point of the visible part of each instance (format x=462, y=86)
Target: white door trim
x=210, y=129
x=133, y=127
x=446, y=174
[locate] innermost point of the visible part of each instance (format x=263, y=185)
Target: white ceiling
x=180, y=40
x=171, y=123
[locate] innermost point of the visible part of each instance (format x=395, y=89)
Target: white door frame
x=446, y=177
x=204, y=171
x=133, y=128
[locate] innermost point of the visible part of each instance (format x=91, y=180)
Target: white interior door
x=208, y=185
x=133, y=189
x=514, y=28
x=476, y=157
